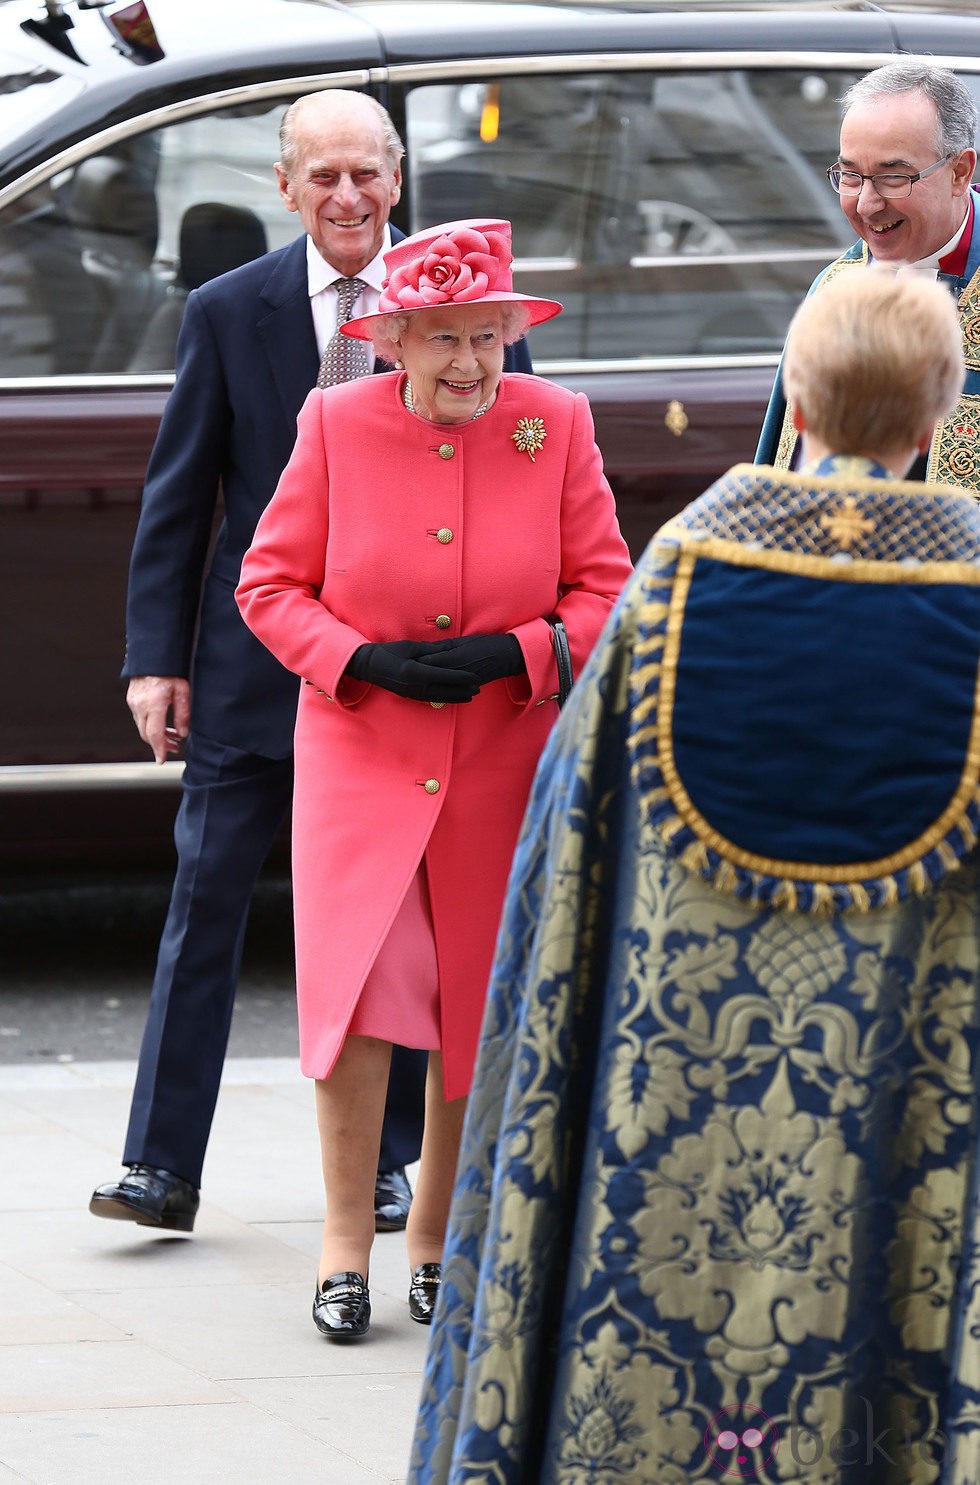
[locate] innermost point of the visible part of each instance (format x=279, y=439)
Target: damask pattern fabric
x=716, y=1213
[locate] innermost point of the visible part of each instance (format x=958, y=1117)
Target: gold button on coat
x=443, y=621
x=444, y=535
x=437, y=706
x=446, y=451
x=432, y=786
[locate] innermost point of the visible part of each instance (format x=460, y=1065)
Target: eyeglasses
x=888, y=184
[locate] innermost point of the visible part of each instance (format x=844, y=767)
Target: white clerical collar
x=320, y=274
x=931, y=263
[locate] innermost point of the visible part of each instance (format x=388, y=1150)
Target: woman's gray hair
x=955, y=108
x=386, y=330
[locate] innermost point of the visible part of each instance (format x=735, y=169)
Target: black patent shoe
x=392, y=1200
x=423, y=1292
x=150, y=1197
x=342, y=1307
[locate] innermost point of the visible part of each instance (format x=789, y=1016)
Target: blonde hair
x=873, y=359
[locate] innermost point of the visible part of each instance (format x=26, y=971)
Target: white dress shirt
x=322, y=276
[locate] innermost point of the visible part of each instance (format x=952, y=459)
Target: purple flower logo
x=740, y=1439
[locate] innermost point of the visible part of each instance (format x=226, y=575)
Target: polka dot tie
x=344, y=359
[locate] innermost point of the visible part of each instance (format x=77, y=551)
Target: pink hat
x=455, y=263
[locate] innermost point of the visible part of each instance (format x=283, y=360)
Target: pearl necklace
x=408, y=397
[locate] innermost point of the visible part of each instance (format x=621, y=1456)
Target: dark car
x=664, y=172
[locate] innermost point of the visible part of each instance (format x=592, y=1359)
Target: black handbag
x=563, y=658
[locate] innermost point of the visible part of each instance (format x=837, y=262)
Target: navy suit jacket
x=246, y=359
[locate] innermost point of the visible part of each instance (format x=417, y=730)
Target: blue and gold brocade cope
x=719, y=1162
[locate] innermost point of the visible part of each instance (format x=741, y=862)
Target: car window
x=674, y=212
x=29, y=92
x=95, y=264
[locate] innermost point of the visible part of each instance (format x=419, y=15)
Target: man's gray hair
x=955, y=108
x=394, y=148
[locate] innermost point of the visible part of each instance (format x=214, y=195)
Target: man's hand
x=151, y=698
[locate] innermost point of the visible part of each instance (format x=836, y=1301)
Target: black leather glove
x=404, y=667
x=489, y=657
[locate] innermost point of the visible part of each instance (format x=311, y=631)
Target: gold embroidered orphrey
x=529, y=436
x=954, y=456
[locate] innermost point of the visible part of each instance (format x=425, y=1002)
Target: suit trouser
x=232, y=808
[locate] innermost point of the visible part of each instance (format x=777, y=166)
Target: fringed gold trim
x=785, y=896
x=813, y=888
x=726, y=877
x=654, y=611
x=645, y=712
x=822, y=902
x=860, y=897
x=968, y=835
x=646, y=672
x=695, y=857
x=646, y=736
x=911, y=853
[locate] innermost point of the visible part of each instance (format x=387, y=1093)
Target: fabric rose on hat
x=454, y=269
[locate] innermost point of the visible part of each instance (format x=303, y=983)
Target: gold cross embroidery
x=845, y=525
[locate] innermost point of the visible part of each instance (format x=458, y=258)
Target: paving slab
x=32, y=1313
x=368, y=1417
x=230, y=1444
x=127, y=1354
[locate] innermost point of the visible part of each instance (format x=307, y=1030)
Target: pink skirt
x=400, y=998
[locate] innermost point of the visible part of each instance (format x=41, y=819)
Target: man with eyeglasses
x=903, y=175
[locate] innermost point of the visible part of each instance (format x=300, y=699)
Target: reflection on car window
x=673, y=212
x=95, y=265
x=29, y=92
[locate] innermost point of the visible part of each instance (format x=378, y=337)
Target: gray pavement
x=126, y=1356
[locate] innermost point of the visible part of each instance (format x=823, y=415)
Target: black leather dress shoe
x=150, y=1198
x=423, y=1292
x=342, y=1307
x=392, y=1199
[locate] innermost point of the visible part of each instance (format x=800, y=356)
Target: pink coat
x=382, y=524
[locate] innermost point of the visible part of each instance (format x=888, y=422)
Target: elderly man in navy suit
x=250, y=348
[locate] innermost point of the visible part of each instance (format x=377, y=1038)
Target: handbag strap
x=563, y=658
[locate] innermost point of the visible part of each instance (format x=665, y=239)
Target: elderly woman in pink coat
x=428, y=524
